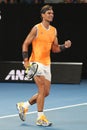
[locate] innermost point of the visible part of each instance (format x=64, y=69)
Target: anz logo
x=15, y=75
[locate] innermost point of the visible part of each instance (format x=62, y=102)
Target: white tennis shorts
x=44, y=70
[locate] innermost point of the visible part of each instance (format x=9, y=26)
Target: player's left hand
x=68, y=44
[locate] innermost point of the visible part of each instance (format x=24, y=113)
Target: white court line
x=52, y=109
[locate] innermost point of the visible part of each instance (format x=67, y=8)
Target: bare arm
x=29, y=39
x=55, y=45
x=56, y=48
x=26, y=44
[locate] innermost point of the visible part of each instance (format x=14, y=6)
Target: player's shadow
x=27, y=125
x=32, y=126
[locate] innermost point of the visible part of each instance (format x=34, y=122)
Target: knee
x=46, y=94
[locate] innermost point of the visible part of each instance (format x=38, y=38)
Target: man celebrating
x=43, y=38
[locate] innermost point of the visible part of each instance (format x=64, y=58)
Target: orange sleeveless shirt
x=41, y=45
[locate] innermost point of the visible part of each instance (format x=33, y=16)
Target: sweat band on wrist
x=25, y=55
x=62, y=47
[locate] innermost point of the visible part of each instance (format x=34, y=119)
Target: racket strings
x=31, y=71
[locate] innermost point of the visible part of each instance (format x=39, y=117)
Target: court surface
x=66, y=106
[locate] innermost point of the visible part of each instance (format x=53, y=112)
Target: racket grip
x=23, y=62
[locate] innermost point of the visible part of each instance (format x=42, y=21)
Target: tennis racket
x=31, y=71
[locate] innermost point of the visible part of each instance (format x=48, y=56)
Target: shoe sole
x=50, y=124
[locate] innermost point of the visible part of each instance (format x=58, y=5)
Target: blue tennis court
x=66, y=106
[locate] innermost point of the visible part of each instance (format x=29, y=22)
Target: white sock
x=40, y=114
x=26, y=104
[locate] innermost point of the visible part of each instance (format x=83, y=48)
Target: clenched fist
x=67, y=44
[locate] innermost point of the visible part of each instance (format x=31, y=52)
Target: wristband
x=25, y=55
x=62, y=47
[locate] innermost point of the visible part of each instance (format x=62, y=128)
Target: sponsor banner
x=12, y=71
x=62, y=72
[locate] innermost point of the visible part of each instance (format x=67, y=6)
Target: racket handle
x=23, y=62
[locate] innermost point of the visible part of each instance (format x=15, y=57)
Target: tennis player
x=43, y=38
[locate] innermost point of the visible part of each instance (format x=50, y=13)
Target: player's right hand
x=26, y=64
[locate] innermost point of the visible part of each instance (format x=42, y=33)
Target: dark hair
x=45, y=8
